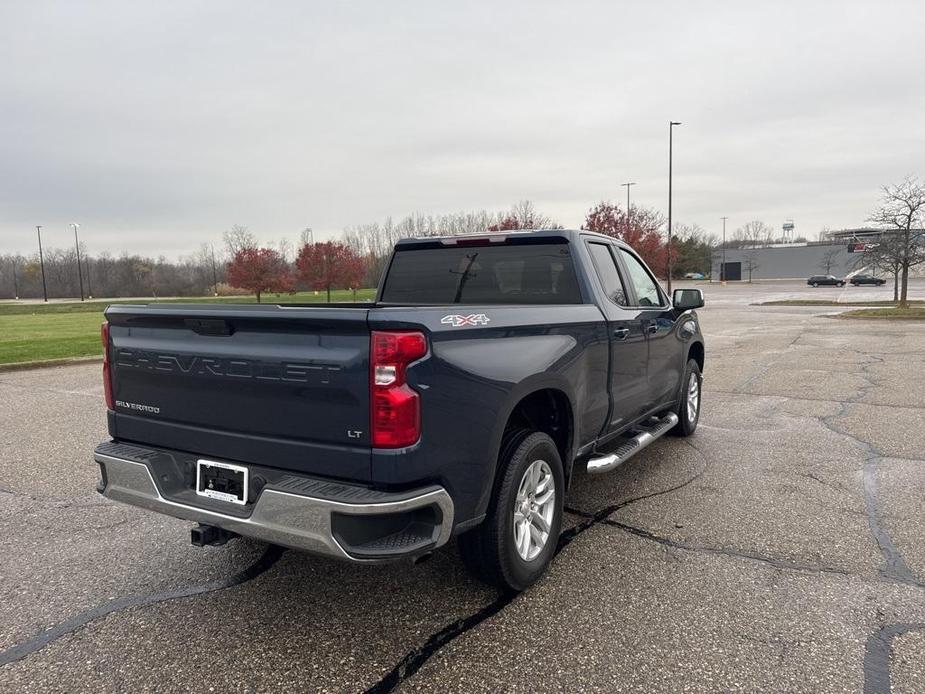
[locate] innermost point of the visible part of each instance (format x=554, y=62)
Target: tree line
x=242, y=265
x=106, y=275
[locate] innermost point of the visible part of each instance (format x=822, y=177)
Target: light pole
x=671, y=125
x=722, y=270
x=627, y=186
x=214, y=275
x=38, y=229
x=80, y=276
x=15, y=281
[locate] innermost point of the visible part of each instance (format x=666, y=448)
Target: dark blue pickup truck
x=459, y=403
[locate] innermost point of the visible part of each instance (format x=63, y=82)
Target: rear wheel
x=517, y=540
x=815, y=284
x=688, y=409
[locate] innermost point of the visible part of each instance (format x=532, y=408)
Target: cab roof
x=512, y=236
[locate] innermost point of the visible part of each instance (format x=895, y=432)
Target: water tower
x=788, y=230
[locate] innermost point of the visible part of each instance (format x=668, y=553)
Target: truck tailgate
x=286, y=387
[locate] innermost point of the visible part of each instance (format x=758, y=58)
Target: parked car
x=858, y=280
x=460, y=403
x=694, y=276
x=825, y=280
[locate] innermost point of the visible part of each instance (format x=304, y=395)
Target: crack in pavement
x=776, y=563
x=36, y=643
x=414, y=660
x=894, y=564
x=798, y=398
x=878, y=652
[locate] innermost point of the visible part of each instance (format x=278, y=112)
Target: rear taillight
x=395, y=419
x=107, y=372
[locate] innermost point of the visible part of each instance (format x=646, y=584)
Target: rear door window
x=606, y=266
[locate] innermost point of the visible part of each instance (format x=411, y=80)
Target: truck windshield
x=496, y=274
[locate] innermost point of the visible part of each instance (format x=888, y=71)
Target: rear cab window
x=496, y=273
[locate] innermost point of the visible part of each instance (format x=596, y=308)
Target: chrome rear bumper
x=291, y=519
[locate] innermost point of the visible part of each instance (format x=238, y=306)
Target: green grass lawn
x=828, y=302
x=911, y=313
x=37, y=337
x=36, y=332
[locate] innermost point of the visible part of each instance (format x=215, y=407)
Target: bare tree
x=285, y=249
x=755, y=233
x=885, y=256
x=527, y=216
x=238, y=238
x=751, y=264
x=828, y=260
x=902, y=214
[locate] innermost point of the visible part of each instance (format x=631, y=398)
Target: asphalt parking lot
x=779, y=549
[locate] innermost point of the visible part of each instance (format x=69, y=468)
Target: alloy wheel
x=533, y=509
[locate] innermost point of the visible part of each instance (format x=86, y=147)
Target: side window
x=606, y=267
x=647, y=291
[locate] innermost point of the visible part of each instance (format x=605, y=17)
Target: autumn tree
x=901, y=216
x=330, y=265
x=260, y=270
x=639, y=229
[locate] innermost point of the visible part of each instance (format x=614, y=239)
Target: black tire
x=488, y=550
x=687, y=424
x=815, y=284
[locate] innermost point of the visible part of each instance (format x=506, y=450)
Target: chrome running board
x=631, y=445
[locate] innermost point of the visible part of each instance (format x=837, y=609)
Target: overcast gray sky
x=157, y=126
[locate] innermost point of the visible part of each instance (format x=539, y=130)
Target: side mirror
x=687, y=299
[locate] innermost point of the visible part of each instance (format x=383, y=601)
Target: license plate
x=221, y=481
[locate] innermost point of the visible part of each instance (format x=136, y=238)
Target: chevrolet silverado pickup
x=459, y=404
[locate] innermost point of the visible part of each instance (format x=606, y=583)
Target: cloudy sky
x=159, y=125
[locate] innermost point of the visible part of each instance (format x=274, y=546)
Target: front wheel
x=688, y=409
x=517, y=540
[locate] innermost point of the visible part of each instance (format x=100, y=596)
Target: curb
x=68, y=361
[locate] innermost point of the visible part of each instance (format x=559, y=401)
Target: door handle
x=651, y=328
x=621, y=333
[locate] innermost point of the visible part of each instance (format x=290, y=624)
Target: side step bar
x=632, y=446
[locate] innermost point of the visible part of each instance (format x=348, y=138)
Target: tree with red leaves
x=330, y=265
x=639, y=229
x=260, y=270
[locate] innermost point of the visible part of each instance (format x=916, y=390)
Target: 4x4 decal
x=458, y=321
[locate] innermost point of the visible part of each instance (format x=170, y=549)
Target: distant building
x=841, y=253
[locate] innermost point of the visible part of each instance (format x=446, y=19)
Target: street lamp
x=38, y=229
x=671, y=125
x=627, y=186
x=15, y=281
x=722, y=270
x=80, y=276
x=214, y=275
